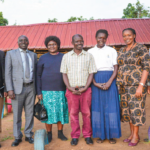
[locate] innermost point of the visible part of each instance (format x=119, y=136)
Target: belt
x=26, y=84
x=79, y=87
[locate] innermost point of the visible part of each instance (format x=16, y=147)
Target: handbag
x=40, y=111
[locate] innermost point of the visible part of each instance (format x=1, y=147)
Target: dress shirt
x=105, y=58
x=30, y=66
x=78, y=67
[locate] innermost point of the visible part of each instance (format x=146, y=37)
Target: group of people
x=80, y=81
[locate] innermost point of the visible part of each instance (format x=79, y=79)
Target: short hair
x=52, y=38
x=76, y=35
x=102, y=31
x=23, y=36
x=132, y=30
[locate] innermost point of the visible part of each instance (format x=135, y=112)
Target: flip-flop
x=99, y=140
x=112, y=141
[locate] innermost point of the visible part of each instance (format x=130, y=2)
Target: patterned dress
x=131, y=65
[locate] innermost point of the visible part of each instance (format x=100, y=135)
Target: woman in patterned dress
x=51, y=88
x=133, y=61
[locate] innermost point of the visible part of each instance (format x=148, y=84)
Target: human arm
x=8, y=76
x=89, y=81
x=140, y=87
x=3, y=72
x=145, y=66
x=39, y=70
x=72, y=89
x=113, y=76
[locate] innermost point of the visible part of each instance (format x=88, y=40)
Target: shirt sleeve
x=92, y=66
x=40, y=66
x=63, y=68
x=145, y=58
x=115, y=57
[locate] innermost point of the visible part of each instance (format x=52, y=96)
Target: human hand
x=11, y=94
x=74, y=91
x=100, y=85
x=138, y=93
x=148, y=89
x=106, y=85
x=82, y=90
x=40, y=97
x=5, y=94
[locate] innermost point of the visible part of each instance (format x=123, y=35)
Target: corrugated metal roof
x=37, y=32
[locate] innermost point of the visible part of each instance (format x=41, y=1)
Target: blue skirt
x=105, y=108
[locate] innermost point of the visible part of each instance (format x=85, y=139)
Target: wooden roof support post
x=34, y=50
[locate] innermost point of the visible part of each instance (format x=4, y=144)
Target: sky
x=24, y=12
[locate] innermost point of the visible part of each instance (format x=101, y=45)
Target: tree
x=136, y=11
x=53, y=20
x=71, y=19
x=3, y=21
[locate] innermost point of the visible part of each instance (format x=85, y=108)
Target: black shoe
x=0, y=146
x=49, y=136
x=29, y=139
x=16, y=142
x=74, y=141
x=89, y=140
x=61, y=136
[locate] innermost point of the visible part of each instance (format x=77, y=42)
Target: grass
x=22, y=129
x=7, y=138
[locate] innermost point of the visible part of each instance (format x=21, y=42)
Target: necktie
x=27, y=69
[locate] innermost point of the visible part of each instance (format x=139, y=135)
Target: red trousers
x=77, y=103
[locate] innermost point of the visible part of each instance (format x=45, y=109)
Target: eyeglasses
x=51, y=45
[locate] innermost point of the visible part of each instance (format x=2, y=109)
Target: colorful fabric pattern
x=133, y=109
x=56, y=106
x=131, y=65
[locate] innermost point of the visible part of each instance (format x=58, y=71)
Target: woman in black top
x=51, y=88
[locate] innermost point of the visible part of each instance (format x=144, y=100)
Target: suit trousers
x=1, y=108
x=24, y=100
x=77, y=103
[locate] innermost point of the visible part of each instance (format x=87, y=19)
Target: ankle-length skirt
x=105, y=108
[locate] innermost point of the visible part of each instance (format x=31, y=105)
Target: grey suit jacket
x=14, y=70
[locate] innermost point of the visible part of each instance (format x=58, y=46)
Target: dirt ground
x=56, y=144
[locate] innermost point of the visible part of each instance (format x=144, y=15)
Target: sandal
x=99, y=140
x=112, y=141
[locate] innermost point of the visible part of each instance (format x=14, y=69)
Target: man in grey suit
x=20, y=69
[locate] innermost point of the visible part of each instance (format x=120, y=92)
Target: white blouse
x=105, y=58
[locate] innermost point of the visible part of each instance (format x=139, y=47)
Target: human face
x=128, y=37
x=78, y=43
x=101, y=40
x=23, y=42
x=52, y=47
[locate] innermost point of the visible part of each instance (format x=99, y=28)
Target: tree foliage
x=71, y=19
x=136, y=11
x=3, y=21
x=52, y=20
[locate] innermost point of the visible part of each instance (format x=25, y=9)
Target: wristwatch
x=141, y=84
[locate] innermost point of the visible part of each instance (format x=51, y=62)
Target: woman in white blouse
x=105, y=97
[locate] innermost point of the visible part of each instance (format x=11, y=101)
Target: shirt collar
x=83, y=52
x=21, y=50
x=100, y=48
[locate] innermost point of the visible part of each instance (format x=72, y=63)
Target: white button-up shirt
x=105, y=58
x=30, y=66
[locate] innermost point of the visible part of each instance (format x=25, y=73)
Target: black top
x=49, y=77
